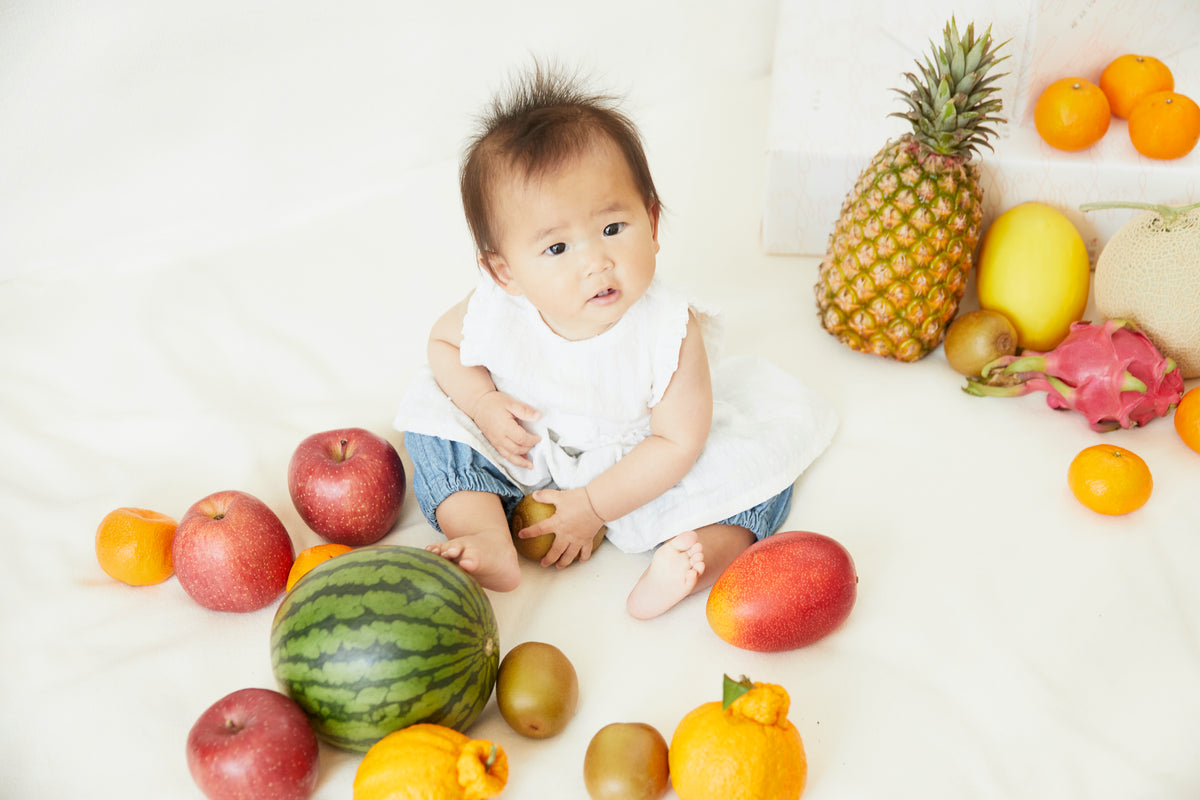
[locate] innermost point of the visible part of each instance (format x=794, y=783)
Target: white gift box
x=834, y=66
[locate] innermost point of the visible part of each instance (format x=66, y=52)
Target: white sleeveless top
x=595, y=396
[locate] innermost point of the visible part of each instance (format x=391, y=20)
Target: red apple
x=348, y=485
x=232, y=553
x=254, y=743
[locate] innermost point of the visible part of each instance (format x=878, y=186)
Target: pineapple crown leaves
x=951, y=103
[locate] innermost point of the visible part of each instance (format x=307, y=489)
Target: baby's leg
x=689, y=563
x=478, y=539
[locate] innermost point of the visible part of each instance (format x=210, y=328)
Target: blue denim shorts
x=442, y=467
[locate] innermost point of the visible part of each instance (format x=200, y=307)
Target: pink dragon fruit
x=1111, y=373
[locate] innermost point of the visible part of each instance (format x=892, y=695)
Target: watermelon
x=382, y=638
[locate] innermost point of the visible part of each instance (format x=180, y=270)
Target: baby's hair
x=544, y=120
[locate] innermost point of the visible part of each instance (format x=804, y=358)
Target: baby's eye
x=613, y=228
x=556, y=249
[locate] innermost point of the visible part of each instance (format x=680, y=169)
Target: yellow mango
x=1034, y=269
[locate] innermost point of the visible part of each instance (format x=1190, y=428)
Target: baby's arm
x=473, y=390
x=679, y=426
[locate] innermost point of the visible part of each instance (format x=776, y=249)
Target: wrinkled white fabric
x=596, y=396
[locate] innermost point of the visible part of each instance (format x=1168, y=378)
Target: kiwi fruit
x=977, y=338
x=531, y=512
x=537, y=690
x=626, y=761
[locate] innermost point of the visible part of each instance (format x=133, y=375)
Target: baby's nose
x=597, y=260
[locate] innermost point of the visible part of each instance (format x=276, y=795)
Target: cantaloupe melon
x=1149, y=272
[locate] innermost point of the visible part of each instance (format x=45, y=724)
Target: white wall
x=135, y=133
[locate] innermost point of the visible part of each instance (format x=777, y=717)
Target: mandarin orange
x=1187, y=418
x=1109, y=479
x=1072, y=114
x=133, y=545
x=310, y=557
x=1165, y=125
x=1129, y=78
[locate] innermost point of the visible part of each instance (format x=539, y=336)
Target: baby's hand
x=497, y=415
x=574, y=522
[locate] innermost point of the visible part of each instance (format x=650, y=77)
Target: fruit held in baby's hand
x=537, y=690
x=784, y=592
x=626, y=761
x=978, y=338
x=531, y=512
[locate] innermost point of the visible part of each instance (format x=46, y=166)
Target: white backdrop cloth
x=225, y=226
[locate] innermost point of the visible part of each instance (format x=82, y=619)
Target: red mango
x=783, y=592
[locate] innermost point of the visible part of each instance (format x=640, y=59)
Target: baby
x=573, y=374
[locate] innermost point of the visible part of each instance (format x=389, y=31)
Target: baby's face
x=578, y=243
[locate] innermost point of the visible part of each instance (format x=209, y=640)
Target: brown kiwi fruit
x=977, y=338
x=537, y=689
x=531, y=512
x=626, y=761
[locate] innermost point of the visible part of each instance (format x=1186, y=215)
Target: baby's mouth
x=606, y=297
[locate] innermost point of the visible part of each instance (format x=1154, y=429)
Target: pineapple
x=902, y=247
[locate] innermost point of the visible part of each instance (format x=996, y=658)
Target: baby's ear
x=655, y=215
x=494, y=264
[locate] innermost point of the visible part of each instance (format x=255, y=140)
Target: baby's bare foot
x=671, y=576
x=488, y=558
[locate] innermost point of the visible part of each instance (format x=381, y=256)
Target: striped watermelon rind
x=382, y=638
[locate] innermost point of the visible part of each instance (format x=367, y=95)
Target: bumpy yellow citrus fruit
x=431, y=762
x=747, y=750
x=1034, y=269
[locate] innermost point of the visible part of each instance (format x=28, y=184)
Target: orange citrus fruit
x=1131, y=77
x=1165, y=125
x=427, y=761
x=1110, y=479
x=133, y=545
x=307, y=559
x=744, y=750
x=1071, y=114
x=1187, y=418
